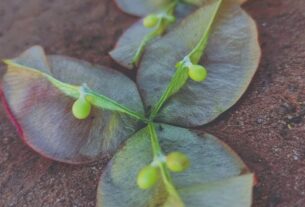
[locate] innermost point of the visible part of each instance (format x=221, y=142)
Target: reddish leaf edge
x=233, y=153
x=20, y=132
x=246, y=169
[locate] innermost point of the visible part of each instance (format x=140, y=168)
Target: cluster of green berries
x=152, y=20
x=82, y=107
x=149, y=175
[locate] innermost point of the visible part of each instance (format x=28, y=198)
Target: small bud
x=197, y=73
x=81, y=108
x=150, y=21
x=147, y=177
x=177, y=161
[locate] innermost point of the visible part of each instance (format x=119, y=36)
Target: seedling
x=149, y=169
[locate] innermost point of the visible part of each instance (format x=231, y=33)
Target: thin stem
x=99, y=99
x=171, y=7
x=95, y=98
x=180, y=77
x=73, y=91
x=147, y=38
x=161, y=27
x=158, y=158
x=176, y=82
x=196, y=53
x=157, y=151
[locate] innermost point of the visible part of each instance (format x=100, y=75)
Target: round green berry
x=147, y=177
x=81, y=108
x=150, y=21
x=177, y=161
x=197, y=73
x=171, y=19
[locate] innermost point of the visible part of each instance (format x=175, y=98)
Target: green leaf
x=128, y=44
x=39, y=92
x=178, y=80
x=141, y=7
x=231, y=59
x=181, y=75
x=231, y=192
x=130, y=41
x=165, y=18
x=73, y=91
x=216, y=175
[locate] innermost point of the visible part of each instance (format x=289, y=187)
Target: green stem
x=99, y=100
x=181, y=74
x=95, y=98
x=73, y=91
x=177, y=81
x=158, y=31
x=147, y=38
x=196, y=54
x=159, y=158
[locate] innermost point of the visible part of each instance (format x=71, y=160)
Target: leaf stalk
x=159, y=30
x=180, y=77
x=165, y=174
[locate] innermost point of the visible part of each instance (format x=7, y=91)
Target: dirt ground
x=266, y=128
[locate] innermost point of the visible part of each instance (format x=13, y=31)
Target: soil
x=266, y=128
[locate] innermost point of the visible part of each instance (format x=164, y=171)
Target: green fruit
x=171, y=19
x=147, y=177
x=177, y=161
x=150, y=21
x=197, y=73
x=81, y=108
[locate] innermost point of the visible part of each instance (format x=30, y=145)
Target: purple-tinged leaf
x=43, y=113
x=216, y=177
x=231, y=58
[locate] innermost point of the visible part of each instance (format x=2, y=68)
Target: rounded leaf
x=141, y=7
x=231, y=59
x=43, y=114
x=131, y=39
x=215, y=173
